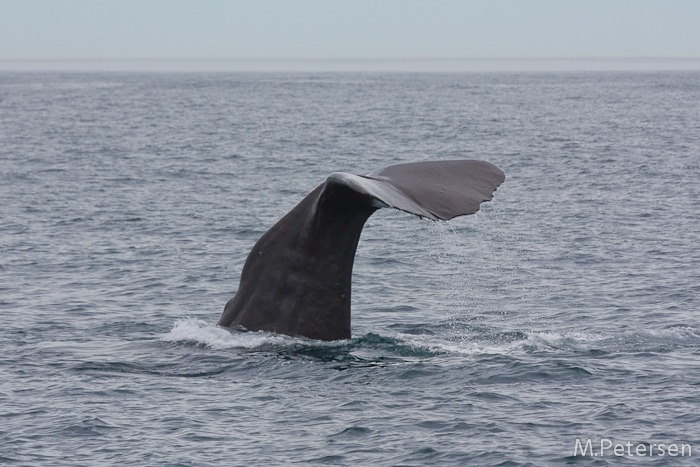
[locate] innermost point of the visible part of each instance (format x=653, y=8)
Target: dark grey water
x=568, y=308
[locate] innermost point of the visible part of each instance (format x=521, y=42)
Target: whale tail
x=296, y=280
x=438, y=190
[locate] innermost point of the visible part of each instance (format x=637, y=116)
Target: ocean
x=566, y=310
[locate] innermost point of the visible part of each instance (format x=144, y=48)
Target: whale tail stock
x=296, y=280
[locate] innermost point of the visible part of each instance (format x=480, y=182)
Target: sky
x=341, y=29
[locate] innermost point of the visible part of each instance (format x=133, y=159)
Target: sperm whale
x=297, y=278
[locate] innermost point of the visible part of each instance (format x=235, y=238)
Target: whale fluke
x=296, y=279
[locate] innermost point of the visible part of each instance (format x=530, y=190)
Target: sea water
x=567, y=309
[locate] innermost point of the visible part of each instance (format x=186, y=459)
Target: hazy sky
x=291, y=29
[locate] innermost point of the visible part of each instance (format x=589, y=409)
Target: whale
x=297, y=278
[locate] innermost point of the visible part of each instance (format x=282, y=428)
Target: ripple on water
x=565, y=308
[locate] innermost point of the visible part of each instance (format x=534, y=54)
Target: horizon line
x=583, y=57
x=372, y=64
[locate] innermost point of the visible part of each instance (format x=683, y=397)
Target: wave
x=445, y=340
x=199, y=332
x=531, y=342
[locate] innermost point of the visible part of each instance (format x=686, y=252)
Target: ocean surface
x=567, y=309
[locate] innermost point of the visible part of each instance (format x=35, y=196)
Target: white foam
x=579, y=340
x=463, y=347
x=552, y=341
x=212, y=336
x=193, y=330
